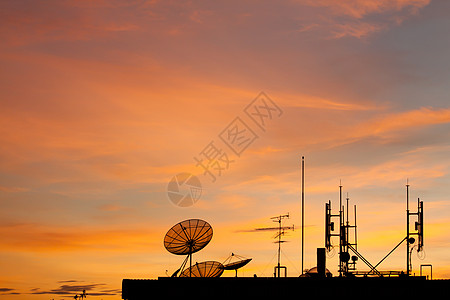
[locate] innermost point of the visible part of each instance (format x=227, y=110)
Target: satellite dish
x=188, y=237
x=204, y=269
x=237, y=264
x=241, y=261
x=344, y=256
x=313, y=272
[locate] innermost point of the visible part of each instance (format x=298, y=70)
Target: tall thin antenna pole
x=356, y=235
x=347, y=212
x=407, y=228
x=340, y=201
x=347, y=224
x=303, y=208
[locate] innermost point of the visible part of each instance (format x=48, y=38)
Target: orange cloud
x=28, y=237
x=34, y=22
x=360, y=8
x=405, y=120
x=359, y=125
x=356, y=29
x=350, y=17
x=312, y=101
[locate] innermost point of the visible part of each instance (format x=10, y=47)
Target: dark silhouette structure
x=281, y=231
x=239, y=262
x=192, y=235
x=267, y=287
x=201, y=281
x=348, y=246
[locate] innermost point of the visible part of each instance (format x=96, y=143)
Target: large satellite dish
x=204, y=269
x=188, y=237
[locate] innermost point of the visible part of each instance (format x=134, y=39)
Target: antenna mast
x=303, y=208
x=418, y=230
x=279, y=234
x=407, y=228
x=345, y=265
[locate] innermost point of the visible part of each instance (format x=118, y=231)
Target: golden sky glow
x=102, y=102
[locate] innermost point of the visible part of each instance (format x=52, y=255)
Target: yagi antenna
x=281, y=231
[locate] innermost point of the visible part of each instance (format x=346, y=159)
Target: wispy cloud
x=35, y=22
x=8, y=291
x=355, y=18
x=360, y=8
x=93, y=289
x=356, y=29
x=424, y=116
x=27, y=237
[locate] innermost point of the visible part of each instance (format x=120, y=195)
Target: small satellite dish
x=239, y=262
x=204, y=269
x=344, y=256
x=188, y=237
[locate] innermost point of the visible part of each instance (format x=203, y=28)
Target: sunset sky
x=103, y=102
